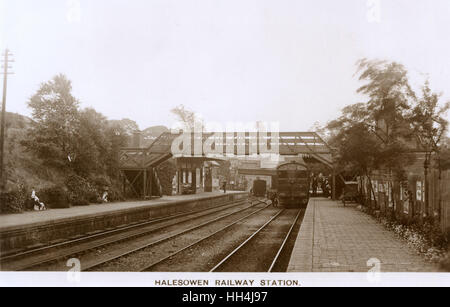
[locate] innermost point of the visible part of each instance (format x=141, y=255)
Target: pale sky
x=290, y=61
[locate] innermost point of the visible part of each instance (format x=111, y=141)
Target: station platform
x=32, y=229
x=334, y=238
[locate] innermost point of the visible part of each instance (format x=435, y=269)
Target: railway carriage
x=292, y=185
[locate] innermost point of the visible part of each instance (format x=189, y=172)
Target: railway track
x=228, y=226
x=205, y=251
x=288, y=236
x=129, y=257
x=266, y=241
x=39, y=258
x=97, y=265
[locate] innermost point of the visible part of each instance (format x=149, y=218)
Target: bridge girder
x=235, y=143
x=138, y=164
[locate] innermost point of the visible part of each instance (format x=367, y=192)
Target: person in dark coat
x=315, y=185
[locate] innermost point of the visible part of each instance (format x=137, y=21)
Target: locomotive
x=259, y=188
x=291, y=186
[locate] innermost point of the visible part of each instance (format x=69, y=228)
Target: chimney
x=137, y=139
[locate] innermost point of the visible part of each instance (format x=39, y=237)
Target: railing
x=286, y=143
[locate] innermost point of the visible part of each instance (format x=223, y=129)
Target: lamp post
x=5, y=73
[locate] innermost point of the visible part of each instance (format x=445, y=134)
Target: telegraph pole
x=5, y=73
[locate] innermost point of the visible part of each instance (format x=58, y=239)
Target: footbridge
x=139, y=165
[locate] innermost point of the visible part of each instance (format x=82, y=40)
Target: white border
x=149, y=279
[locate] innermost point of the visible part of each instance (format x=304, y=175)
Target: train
x=259, y=188
x=291, y=185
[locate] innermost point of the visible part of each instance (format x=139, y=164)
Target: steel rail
x=280, y=250
x=110, y=259
x=147, y=268
x=93, y=236
x=103, y=235
x=245, y=242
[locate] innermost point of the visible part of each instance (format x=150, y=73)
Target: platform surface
x=52, y=215
x=334, y=238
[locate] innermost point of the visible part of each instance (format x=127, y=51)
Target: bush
x=14, y=201
x=100, y=182
x=166, y=173
x=434, y=235
x=425, y=236
x=80, y=191
x=54, y=197
x=80, y=203
x=115, y=195
x=445, y=263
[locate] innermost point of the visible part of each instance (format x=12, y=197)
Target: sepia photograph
x=220, y=144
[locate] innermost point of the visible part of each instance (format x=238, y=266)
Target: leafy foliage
x=115, y=194
x=358, y=149
x=55, y=115
x=379, y=133
x=79, y=143
x=80, y=190
x=445, y=263
x=166, y=173
x=224, y=171
x=124, y=126
x=55, y=197
x=426, y=237
x=14, y=201
x=387, y=87
x=188, y=120
x=445, y=154
x=428, y=121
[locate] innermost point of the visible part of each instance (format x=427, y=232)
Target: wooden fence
x=445, y=190
x=407, y=199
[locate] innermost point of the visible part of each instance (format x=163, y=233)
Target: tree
x=375, y=134
x=445, y=154
x=91, y=143
x=389, y=95
x=385, y=114
x=357, y=149
x=386, y=152
x=187, y=118
x=428, y=121
x=98, y=144
x=321, y=130
x=224, y=170
x=55, y=122
x=355, y=114
x=125, y=126
x=62, y=135
x=429, y=127
x=117, y=136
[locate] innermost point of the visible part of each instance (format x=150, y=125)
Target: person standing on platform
x=224, y=187
x=315, y=185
